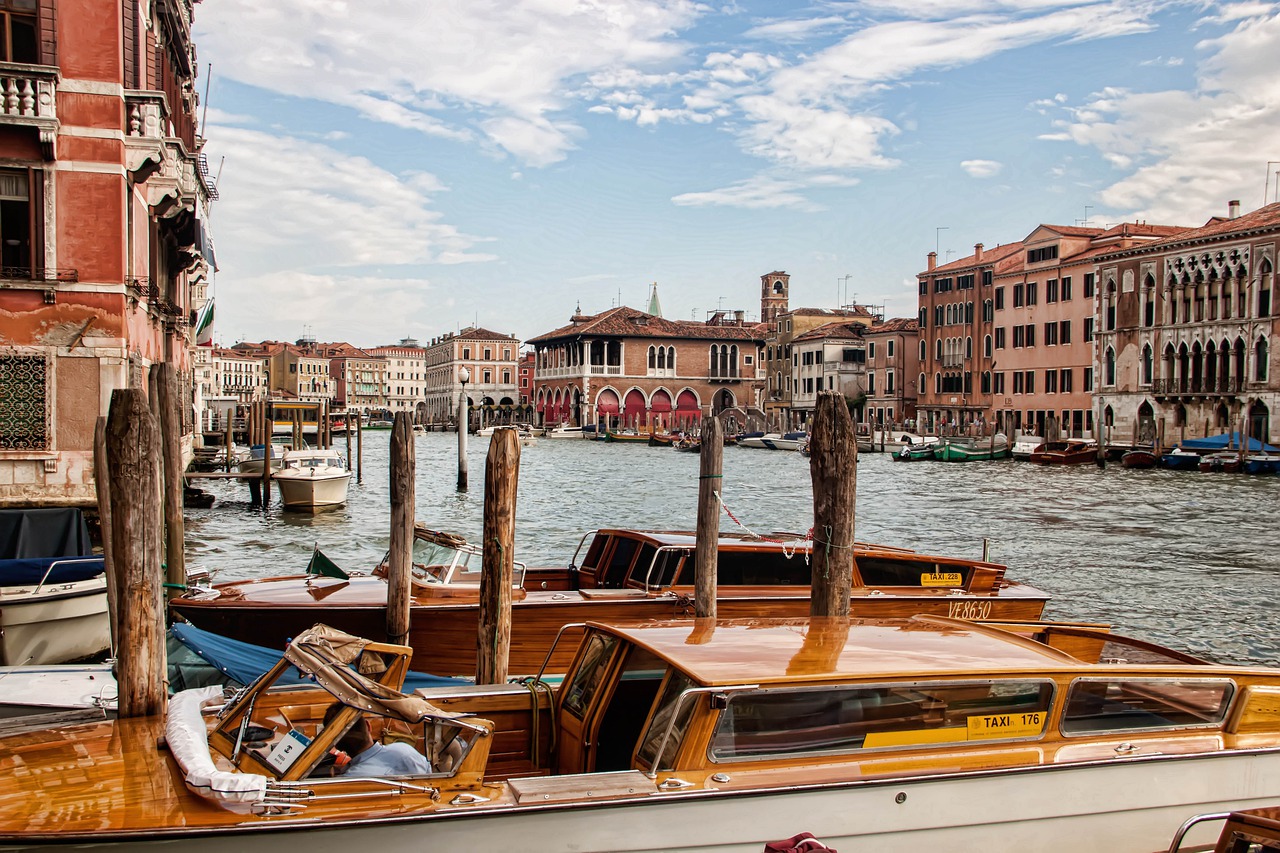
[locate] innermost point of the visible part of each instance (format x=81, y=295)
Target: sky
x=407, y=169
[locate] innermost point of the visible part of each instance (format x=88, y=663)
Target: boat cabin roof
x=777, y=651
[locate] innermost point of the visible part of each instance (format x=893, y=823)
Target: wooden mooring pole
x=707, y=542
x=165, y=378
x=133, y=463
x=349, y=440
x=102, y=484
x=400, y=559
x=359, y=449
x=501, y=482
x=833, y=465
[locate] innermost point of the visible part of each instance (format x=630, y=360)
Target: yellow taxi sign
x=941, y=579
x=1006, y=725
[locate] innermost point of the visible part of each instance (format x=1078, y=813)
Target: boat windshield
x=435, y=562
x=671, y=715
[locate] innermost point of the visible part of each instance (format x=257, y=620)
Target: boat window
x=885, y=571
x=1114, y=704
x=770, y=723
x=665, y=568
x=432, y=561
x=643, y=563
x=595, y=552
x=619, y=562
x=586, y=678
x=762, y=568
x=669, y=704
x=633, y=693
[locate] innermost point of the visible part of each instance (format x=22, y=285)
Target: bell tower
x=774, y=288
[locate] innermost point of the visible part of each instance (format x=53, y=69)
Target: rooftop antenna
x=845, y=279
x=937, y=237
x=208, y=78
x=1266, y=189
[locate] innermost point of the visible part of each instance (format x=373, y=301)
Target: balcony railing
x=46, y=275
x=28, y=97
x=1189, y=387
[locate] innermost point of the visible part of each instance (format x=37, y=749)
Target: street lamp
x=463, y=421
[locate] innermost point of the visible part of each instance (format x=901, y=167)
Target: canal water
x=1186, y=559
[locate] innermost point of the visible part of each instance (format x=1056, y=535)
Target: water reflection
x=1182, y=558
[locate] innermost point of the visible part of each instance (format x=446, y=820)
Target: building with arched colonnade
x=629, y=368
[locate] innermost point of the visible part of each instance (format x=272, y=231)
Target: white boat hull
x=771, y=442
x=61, y=622
x=1128, y=806
x=45, y=689
x=300, y=490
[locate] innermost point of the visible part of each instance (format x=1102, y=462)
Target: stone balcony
x=28, y=98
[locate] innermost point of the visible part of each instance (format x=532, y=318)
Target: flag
x=204, y=326
x=322, y=565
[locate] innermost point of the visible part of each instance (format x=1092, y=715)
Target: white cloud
x=757, y=193
x=431, y=67
x=1191, y=151
x=981, y=168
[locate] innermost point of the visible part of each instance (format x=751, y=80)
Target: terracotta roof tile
x=839, y=331
x=628, y=322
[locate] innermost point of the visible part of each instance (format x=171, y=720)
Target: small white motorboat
x=312, y=480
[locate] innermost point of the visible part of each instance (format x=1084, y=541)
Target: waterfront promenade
x=1186, y=559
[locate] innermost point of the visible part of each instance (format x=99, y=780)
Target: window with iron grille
x=24, y=402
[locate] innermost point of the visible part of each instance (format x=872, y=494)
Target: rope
x=789, y=546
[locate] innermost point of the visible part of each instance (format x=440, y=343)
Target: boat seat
x=612, y=593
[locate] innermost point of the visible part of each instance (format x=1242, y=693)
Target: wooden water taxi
x=618, y=576
x=1074, y=451
x=1244, y=831
x=908, y=734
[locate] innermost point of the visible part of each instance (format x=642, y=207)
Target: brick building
x=103, y=252
x=491, y=359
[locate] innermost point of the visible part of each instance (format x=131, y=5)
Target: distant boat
x=1224, y=461
x=775, y=441
x=1179, y=459
x=312, y=480
x=1073, y=451
x=1024, y=445
x=920, y=449
x=564, y=431
x=970, y=449
x=1140, y=457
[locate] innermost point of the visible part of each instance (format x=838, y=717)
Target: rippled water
x=1186, y=559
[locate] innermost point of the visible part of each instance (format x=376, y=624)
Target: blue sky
x=391, y=169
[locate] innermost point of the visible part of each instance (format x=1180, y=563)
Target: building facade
x=783, y=325
x=406, y=377
x=492, y=363
x=1186, y=329
x=625, y=367
x=893, y=371
x=832, y=357
x=359, y=377
x=103, y=253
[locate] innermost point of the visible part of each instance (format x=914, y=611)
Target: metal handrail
x=1189, y=823
x=57, y=563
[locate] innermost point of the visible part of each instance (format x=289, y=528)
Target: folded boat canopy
x=327, y=654
x=1228, y=440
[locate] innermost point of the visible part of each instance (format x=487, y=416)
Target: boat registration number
x=287, y=750
x=1006, y=725
x=941, y=579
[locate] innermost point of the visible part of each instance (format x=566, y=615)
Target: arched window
x=937, y=383
x=920, y=383
x=1260, y=360
x=733, y=360
x=924, y=351
x=671, y=359
x=968, y=347
x=1110, y=369
x=653, y=362
x=1264, y=289
x=1111, y=306
x=1147, y=364
x=986, y=347
x=939, y=348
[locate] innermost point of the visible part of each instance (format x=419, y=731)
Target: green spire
x=654, y=307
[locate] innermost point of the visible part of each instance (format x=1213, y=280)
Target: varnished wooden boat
x=1140, y=457
x=1075, y=451
x=1244, y=831
x=625, y=577
x=907, y=734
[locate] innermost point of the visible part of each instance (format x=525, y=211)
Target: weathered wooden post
x=501, y=482
x=348, y=430
x=707, y=542
x=133, y=455
x=228, y=440
x=833, y=465
x=400, y=559
x=359, y=448
x=1244, y=432
x=165, y=378
x=266, y=468
x=102, y=484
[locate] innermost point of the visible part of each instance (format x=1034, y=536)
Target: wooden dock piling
x=348, y=431
x=102, y=484
x=133, y=463
x=707, y=547
x=501, y=482
x=400, y=558
x=165, y=378
x=359, y=449
x=833, y=465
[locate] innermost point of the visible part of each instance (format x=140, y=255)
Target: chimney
x=1233, y=208
x=933, y=260
x=977, y=253
x=739, y=316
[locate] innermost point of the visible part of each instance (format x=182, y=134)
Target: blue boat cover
x=31, y=570
x=244, y=662
x=1221, y=442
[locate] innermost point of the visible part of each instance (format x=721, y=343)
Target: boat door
x=605, y=703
